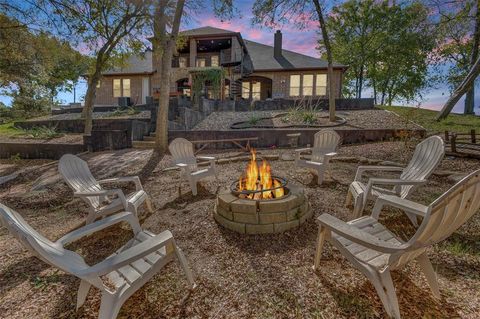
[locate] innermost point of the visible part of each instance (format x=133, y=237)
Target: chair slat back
x=325, y=141
x=427, y=156
x=38, y=245
x=182, y=152
x=77, y=175
x=446, y=214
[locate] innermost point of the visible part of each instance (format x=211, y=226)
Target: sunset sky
x=302, y=41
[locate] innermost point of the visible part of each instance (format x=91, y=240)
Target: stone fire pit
x=262, y=216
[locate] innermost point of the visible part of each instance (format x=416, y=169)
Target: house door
x=145, y=89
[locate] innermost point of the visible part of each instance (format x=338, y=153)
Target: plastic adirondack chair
x=119, y=275
x=77, y=175
x=325, y=146
x=427, y=156
x=375, y=251
x=184, y=158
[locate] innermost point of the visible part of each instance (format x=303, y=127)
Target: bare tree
x=271, y=12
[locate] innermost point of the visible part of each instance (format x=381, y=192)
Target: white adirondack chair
x=427, y=156
x=375, y=251
x=184, y=158
x=77, y=175
x=119, y=275
x=325, y=146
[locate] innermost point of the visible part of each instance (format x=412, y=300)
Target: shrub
x=43, y=132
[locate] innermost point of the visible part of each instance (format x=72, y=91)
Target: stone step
x=149, y=138
x=143, y=144
x=152, y=134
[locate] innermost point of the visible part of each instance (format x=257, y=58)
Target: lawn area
x=8, y=130
x=426, y=118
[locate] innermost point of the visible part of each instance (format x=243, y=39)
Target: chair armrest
x=206, y=158
x=133, y=253
x=105, y=192
x=362, y=169
x=331, y=154
x=301, y=150
x=392, y=181
x=99, y=225
x=395, y=181
x=400, y=203
x=134, y=179
x=356, y=235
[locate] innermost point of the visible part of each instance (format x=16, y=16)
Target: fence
x=463, y=144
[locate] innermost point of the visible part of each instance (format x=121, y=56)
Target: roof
x=135, y=64
x=206, y=31
x=263, y=59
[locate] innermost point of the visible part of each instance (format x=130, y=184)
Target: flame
x=259, y=178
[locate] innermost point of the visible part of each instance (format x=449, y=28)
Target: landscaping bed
x=238, y=276
x=355, y=119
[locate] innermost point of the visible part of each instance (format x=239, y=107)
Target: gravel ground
x=366, y=119
x=238, y=276
x=96, y=115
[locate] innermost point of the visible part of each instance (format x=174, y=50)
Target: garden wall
x=38, y=150
x=278, y=137
x=136, y=128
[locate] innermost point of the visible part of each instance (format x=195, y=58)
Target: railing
x=463, y=143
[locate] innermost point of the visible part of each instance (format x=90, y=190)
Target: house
x=251, y=70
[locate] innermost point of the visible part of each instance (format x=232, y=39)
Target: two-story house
x=253, y=70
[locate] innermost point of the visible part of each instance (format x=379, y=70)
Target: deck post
x=474, y=138
x=452, y=142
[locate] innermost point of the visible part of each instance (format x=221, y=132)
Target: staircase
x=147, y=143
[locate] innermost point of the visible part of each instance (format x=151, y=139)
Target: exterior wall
x=281, y=81
x=104, y=94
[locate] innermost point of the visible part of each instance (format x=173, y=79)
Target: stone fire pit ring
x=249, y=216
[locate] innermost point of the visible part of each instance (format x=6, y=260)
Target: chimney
x=277, y=44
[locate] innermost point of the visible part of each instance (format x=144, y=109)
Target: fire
x=259, y=177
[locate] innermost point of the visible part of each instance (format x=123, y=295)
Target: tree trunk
x=161, y=140
x=460, y=91
x=87, y=112
x=326, y=41
x=470, y=98
x=360, y=87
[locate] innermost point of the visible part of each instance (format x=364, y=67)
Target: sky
x=302, y=41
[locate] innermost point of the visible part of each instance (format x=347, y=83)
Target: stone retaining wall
x=38, y=150
x=247, y=216
x=279, y=138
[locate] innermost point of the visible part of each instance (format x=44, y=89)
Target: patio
x=238, y=276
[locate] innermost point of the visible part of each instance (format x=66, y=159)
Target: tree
x=110, y=29
x=34, y=66
x=272, y=12
x=168, y=43
x=460, y=91
x=458, y=43
x=386, y=47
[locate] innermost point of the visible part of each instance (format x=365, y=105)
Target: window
x=117, y=89
x=214, y=61
x=200, y=62
x=121, y=87
x=321, y=84
x=246, y=90
x=307, y=84
x=294, y=85
x=126, y=87
x=256, y=88
x=182, y=62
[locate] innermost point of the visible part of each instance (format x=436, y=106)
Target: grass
x=125, y=111
x=42, y=132
x=426, y=118
x=8, y=130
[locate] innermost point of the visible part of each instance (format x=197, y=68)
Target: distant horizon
x=299, y=40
